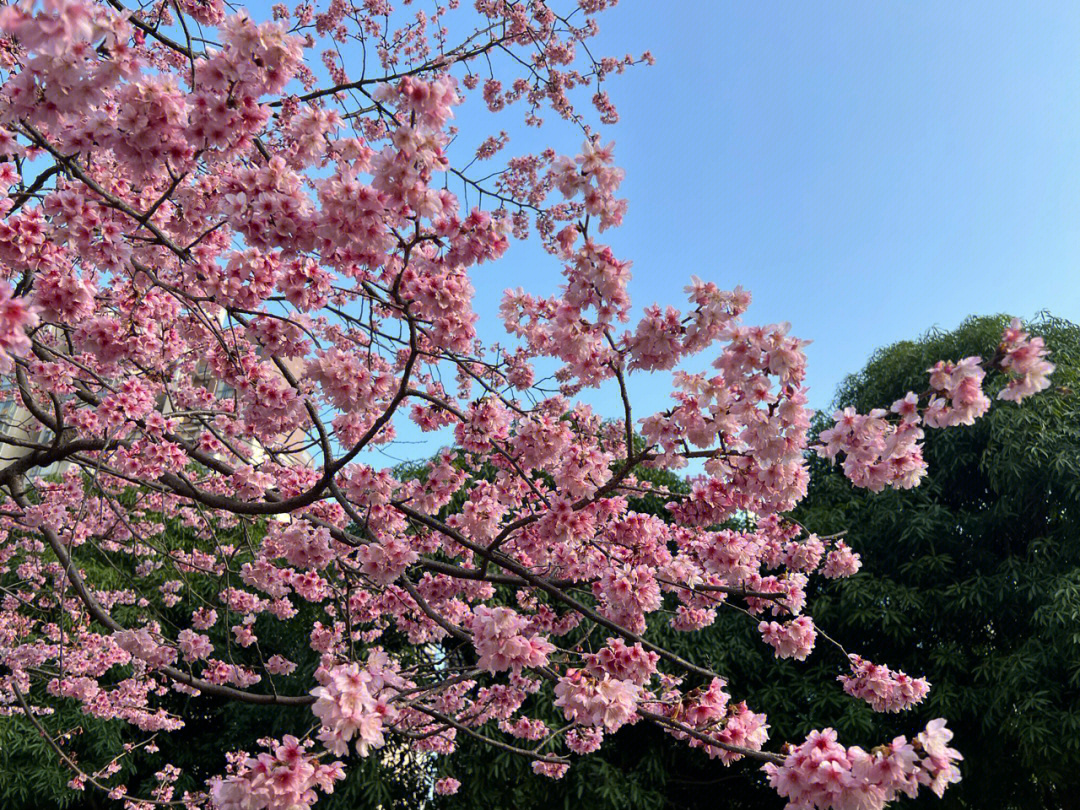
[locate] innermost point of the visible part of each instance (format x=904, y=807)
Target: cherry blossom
x=232, y=274
x=447, y=786
x=503, y=640
x=793, y=639
x=822, y=774
x=353, y=702
x=1024, y=361
x=605, y=701
x=284, y=777
x=883, y=689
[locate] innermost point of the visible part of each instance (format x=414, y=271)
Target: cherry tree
x=236, y=258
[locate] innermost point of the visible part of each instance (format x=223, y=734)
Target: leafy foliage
x=976, y=573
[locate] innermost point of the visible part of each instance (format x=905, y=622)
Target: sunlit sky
x=867, y=170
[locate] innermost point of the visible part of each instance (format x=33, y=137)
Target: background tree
x=972, y=579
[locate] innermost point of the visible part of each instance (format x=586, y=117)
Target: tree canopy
x=236, y=253
x=973, y=578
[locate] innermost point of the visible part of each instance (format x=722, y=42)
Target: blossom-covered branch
x=232, y=266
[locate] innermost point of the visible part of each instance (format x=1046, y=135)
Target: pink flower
x=552, y=770
x=607, y=702
x=793, y=639
x=144, y=647
x=194, y=646
x=285, y=777
x=279, y=665
x=16, y=316
x=1024, y=362
x=623, y=662
x=822, y=774
x=352, y=702
x=883, y=689
x=447, y=786
x=841, y=562
x=503, y=640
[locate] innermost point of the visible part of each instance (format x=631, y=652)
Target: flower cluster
x=605, y=701
x=142, y=645
x=287, y=776
x=354, y=702
x=958, y=397
x=16, y=316
x=821, y=774
x=592, y=176
x=725, y=730
x=1024, y=359
x=841, y=562
x=447, y=786
x=627, y=663
x=883, y=689
x=877, y=453
x=503, y=640
x=884, y=448
x=793, y=639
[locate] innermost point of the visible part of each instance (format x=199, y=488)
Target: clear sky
x=867, y=169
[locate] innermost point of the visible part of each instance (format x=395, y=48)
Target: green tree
x=972, y=579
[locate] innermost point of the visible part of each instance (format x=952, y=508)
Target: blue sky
x=867, y=170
